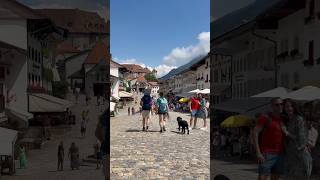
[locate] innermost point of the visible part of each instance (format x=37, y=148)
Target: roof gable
x=97, y=54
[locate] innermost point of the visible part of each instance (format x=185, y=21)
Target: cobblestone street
x=151, y=155
x=42, y=163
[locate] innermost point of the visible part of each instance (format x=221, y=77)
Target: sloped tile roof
x=66, y=47
x=240, y=17
x=76, y=21
x=98, y=53
x=136, y=68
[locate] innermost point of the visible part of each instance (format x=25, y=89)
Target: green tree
x=150, y=77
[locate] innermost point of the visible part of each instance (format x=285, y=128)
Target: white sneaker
x=190, y=128
x=204, y=128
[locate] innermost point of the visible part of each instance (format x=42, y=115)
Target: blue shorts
x=273, y=164
x=194, y=113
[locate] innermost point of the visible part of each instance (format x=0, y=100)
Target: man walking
x=146, y=105
x=270, y=144
x=194, y=106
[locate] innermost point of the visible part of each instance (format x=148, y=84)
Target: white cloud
x=181, y=55
x=163, y=70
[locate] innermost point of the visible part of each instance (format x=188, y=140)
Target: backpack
x=147, y=102
x=162, y=103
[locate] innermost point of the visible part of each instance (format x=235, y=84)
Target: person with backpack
x=269, y=142
x=162, y=110
x=146, y=105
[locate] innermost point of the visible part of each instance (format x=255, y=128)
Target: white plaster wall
x=114, y=71
x=16, y=82
x=14, y=32
x=75, y=64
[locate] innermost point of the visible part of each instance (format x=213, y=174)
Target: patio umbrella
x=277, y=92
x=236, y=121
x=194, y=91
x=307, y=93
x=183, y=100
x=205, y=91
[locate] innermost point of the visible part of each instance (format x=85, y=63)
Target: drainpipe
x=275, y=53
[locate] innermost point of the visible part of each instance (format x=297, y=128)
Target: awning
x=15, y=113
x=242, y=106
x=307, y=93
x=47, y=103
x=8, y=138
x=276, y=92
x=205, y=91
x=124, y=94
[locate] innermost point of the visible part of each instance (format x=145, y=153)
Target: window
x=311, y=8
x=296, y=42
x=36, y=56
x=311, y=50
x=32, y=53
x=296, y=79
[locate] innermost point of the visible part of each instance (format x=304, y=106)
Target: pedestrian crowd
x=198, y=108
x=283, y=142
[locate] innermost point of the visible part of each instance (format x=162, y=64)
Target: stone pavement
x=153, y=155
x=42, y=163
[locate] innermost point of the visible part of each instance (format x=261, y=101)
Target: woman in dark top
x=60, y=156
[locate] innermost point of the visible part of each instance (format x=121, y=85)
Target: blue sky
x=159, y=34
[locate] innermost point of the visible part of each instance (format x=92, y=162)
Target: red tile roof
x=136, y=68
x=76, y=21
x=141, y=79
x=98, y=53
x=66, y=47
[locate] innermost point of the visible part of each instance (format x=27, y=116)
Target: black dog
x=183, y=124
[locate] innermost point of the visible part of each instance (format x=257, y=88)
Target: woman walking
x=83, y=128
x=23, y=157
x=60, y=156
x=162, y=107
x=74, y=156
x=298, y=156
x=203, y=112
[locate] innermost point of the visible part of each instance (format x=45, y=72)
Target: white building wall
x=14, y=32
x=74, y=65
x=17, y=82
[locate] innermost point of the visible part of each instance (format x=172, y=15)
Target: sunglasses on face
x=278, y=104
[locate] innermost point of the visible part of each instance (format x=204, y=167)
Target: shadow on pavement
x=177, y=132
x=136, y=130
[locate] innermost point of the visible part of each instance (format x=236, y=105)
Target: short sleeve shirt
x=195, y=104
x=272, y=137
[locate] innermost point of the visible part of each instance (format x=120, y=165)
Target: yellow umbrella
x=184, y=100
x=236, y=121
